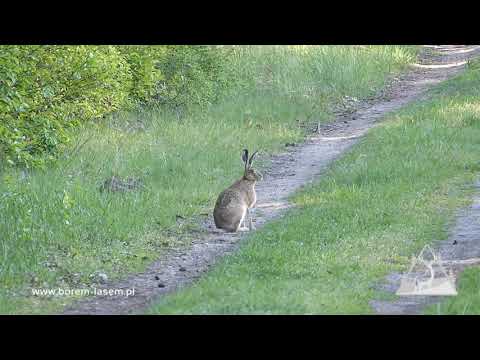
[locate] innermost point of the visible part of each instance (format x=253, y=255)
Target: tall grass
x=374, y=208
x=57, y=228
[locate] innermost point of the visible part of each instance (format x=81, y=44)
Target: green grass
x=395, y=191
x=468, y=299
x=57, y=228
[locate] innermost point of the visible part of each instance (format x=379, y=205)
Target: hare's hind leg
x=250, y=220
x=241, y=224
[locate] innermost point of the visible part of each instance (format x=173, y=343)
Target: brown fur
x=232, y=204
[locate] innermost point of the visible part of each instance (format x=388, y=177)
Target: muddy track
x=289, y=171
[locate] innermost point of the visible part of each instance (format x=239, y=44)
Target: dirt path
x=289, y=171
x=462, y=244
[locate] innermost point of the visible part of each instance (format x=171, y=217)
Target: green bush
x=193, y=76
x=45, y=90
x=146, y=75
x=176, y=76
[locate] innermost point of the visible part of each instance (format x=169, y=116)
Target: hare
x=235, y=202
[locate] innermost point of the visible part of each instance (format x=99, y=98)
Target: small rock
x=102, y=277
x=156, y=277
x=455, y=242
x=99, y=277
x=290, y=144
x=161, y=285
x=182, y=269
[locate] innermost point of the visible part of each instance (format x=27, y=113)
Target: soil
x=297, y=166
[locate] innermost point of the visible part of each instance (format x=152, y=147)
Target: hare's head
x=250, y=173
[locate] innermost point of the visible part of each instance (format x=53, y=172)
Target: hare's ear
x=245, y=156
x=251, y=158
x=245, y=159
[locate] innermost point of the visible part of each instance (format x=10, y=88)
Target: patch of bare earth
x=289, y=171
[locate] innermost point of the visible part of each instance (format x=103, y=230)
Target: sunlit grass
x=467, y=302
x=395, y=191
x=57, y=228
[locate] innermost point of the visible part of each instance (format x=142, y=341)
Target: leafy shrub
x=176, y=76
x=146, y=75
x=193, y=75
x=45, y=90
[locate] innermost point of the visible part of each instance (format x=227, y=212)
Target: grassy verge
x=468, y=299
x=394, y=192
x=57, y=230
